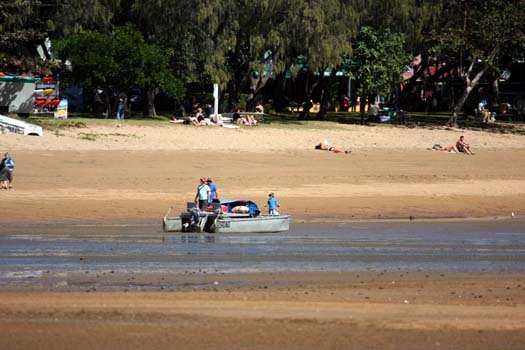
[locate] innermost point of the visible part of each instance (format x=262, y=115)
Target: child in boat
x=272, y=205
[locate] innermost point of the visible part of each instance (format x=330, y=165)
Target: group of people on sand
x=200, y=118
x=207, y=194
x=197, y=119
x=460, y=147
x=7, y=167
x=240, y=118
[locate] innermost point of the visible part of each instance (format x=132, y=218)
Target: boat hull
x=259, y=224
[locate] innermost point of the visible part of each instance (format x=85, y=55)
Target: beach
x=126, y=173
x=122, y=174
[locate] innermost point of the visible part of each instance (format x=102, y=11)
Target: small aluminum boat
x=223, y=218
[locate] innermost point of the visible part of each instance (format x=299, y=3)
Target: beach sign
x=61, y=111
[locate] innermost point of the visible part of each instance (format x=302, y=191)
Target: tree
x=118, y=61
x=249, y=42
x=378, y=61
x=70, y=17
x=172, y=24
x=322, y=36
x=473, y=33
x=23, y=26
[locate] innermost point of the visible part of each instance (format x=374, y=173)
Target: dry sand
x=125, y=173
x=122, y=173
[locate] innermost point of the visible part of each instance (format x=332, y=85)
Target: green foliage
x=378, y=61
x=172, y=24
x=73, y=16
x=162, y=44
x=248, y=42
x=121, y=59
x=471, y=29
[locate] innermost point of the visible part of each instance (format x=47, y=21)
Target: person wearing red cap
x=203, y=194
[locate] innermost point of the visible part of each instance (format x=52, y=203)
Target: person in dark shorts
x=463, y=147
x=203, y=194
x=7, y=167
x=213, y=191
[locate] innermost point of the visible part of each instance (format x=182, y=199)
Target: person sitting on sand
x=250, y=120
x=463, y=147
x=324, y=146
x=449, y=148
x=217, y=119
x=239, y=119
x=197, y=119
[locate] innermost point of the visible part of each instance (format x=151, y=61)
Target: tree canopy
x=242, y=45
x=120, y=60
x=377, y=62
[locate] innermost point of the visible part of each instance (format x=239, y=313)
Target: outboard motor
x=195, y=218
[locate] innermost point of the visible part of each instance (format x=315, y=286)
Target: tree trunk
x=362, y=105
x=305, y=113
x=326, y=96
x=108, y=101
x=470, y=85
x=412, y=82
x=258, y=83
x=495, y=89
x=151, y=102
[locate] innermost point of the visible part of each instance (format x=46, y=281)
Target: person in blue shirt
x=121, y=107
x=7, y=167
x=213, y=191
x=203, y=194
x=272, y=205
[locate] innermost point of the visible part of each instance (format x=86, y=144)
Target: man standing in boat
x=213, y=191
x=203, y=194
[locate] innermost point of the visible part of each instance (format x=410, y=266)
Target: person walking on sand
x=463, y=147
x=7, y=167
x=273, y=205
x=203, y=194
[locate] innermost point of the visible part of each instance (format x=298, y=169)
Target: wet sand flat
x=411, y=285
x=314, y=311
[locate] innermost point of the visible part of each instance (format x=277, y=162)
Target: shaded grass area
x=290, y=120
x=436, y=120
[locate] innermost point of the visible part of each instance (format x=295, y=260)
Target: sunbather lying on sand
x=449, y=148
x=323, y=146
